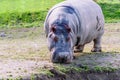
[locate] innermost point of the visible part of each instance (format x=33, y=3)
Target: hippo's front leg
x=97, y=45
x=79, y=48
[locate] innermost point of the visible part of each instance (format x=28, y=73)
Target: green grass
x=24, y=11
x=64, y=69
x=26, y=5
x=30, y=12
x=109, y=1
x=111, y=10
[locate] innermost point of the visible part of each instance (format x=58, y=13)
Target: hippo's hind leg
x=97, y=45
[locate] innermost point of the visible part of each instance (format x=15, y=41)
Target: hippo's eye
x=53, y=29
x=68, y=30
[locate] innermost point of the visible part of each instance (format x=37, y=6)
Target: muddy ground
x=23, y=53
x=73, y=75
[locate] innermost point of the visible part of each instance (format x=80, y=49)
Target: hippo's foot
x=79, y=48
x=96, y=50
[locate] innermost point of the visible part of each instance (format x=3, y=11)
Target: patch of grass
x=65, y=69
x=45, y=72
x=86, y=68
x=26, y=5
x=12, y=18
x=24, y=11
x=111, y=11
x=108, y=1
x=104, y=69
x=28, y=13
x=62, y=69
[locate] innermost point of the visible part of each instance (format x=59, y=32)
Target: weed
x=45, y=72
x=104, y=69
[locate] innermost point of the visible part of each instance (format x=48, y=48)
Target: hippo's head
x=60, y=44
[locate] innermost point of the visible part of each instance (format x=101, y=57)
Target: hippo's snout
x=62, y=57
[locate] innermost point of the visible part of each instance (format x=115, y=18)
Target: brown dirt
x=24, y=52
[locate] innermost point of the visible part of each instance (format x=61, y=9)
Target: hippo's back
x=88, y=14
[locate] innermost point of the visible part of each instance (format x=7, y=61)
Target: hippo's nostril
x=62, y=59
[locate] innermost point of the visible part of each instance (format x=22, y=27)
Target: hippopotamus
x=71, y=24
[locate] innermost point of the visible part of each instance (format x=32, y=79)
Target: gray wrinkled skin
x=70, y=25
x=60, y=48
